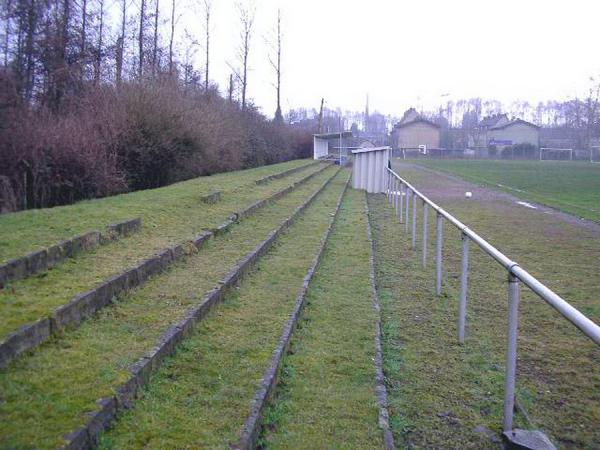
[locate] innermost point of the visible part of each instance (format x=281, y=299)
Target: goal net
x=556, y=154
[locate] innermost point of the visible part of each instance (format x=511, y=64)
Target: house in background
x=414, y=131
x=499, y=131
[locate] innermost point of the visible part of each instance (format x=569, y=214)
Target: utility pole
x=321, y=116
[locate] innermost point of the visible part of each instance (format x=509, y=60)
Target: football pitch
x=573, y=187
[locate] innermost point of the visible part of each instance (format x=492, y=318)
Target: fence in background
x=401, y=194
x=506, y=154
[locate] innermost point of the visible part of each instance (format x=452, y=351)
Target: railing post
x=414, y=221
x=425, y=207
x=514, y=296
x=464, y=278
x=438, y=254
x=407, y=198
x=401, y=195
x=389, y=187
x=396, y=187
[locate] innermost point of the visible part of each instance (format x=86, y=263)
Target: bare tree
x=230, y=88
x=207, y=9
x=155, y=46
x=7, y=18
x=276, y=64
x=172, y=37
x=141, y=38
x=82, y=48
x=121, y=43
x=98, y=59
x=246, y=21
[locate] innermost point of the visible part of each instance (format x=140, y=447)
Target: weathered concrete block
x=199, y=240
x=75, y=311
x=127, y=393
x=16, y=269
x=208, y=301
x=54, y=255
x=77, y=440
x=230, y=278
x=66, y=248
x=211, y=198
x=117, y=284
x=527, y=440
x=177, y=252
x=141, y=370
x=124, y=228
x=36, y=261
x=23, y=339
x=90, y=240
x=221, y=229
x=133, y=278
x=99, y=420
x=165, y=257
x=103, y=296
x=148, y=268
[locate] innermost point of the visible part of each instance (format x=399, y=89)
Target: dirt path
x=456, y=187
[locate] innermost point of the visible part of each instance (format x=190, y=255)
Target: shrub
x=108, y=140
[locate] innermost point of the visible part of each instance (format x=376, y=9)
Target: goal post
x=556, y=154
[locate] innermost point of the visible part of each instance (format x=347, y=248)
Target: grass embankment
x=45, y=395
x=201, y=396
x=440, y=391
x=170, y=216
x=573, y=187
x=164, y=210
x=326, y=396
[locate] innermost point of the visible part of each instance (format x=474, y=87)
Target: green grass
x=202, y=396
x=174, y=215
x=45, y=394
x=326, y=396
x=441, y=391
x=164, y=211
x=573, y=187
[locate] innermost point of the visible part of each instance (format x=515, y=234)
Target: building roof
x=417, y=120
x=513, y=122
x=410, y=115
x=336, y=135
x=370, y=149
x=492, y=121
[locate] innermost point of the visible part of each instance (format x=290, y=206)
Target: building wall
x=415, y=134
x=518, y=133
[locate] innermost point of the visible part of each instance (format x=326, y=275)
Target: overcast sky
x=412, y=52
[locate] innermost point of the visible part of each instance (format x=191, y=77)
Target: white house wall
x=369, y=170
x=320, y=148
x=518, y=133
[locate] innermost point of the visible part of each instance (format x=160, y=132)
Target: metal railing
x=400, y=194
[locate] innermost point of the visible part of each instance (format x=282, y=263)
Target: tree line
x=99, y=97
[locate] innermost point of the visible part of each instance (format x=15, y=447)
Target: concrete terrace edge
x=250, y=431
x=285, y=173
x=380, y=388
x=46, y=258
x=86, y=437
x=85, y=304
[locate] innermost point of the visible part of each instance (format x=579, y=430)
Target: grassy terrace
x=441, y=392
x=45, y=395
x=201, y=397
x=170, y=215
x=573, y=187
x=326, y=396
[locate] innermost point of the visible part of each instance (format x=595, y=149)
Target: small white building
x=369, y=170
x=321, y=147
